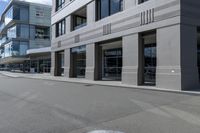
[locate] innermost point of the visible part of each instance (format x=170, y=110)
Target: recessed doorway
x=147, y=58
x=59, y=61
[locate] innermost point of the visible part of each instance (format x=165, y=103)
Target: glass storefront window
x=112, y=67
x=149, y=58
x=79, y=61
x=40, y=66
x=198, y=51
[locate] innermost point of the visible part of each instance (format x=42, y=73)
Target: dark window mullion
x=109, y=6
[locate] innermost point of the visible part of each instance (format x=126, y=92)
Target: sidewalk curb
x=110, y=85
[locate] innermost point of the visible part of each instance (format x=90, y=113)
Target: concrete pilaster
x=53, y=33
x=53, y=6
x=53, y=63
x=91, y=13
x=90, y=62
x=130, y=59
x=129, y=3
x=168, y=73
x=67, y=63
x=68, y=24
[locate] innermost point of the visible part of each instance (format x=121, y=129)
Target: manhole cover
x=105, y=131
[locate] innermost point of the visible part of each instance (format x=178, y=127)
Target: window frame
x=98, y=9
x=142, y=1
x=60, y=28
x=59, y=4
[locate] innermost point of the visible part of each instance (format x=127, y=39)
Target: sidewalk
x=47, y=76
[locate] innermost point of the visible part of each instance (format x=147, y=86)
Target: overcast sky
x=3, y=3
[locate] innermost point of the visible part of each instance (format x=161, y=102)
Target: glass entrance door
x=112, y=64
x=150, y=64
x=78, y=55
x=80, y=64
x=198, y=50
x=59, y=60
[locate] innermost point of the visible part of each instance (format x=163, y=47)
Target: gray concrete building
x=25, y=37
x=138, y=42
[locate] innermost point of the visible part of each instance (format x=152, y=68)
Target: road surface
x=42, y=106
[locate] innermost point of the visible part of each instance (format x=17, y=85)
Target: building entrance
x=198, y=51
x=149, y=62
x=111, y=60
x=59, y=60
x=78, y=60
x=112, y=64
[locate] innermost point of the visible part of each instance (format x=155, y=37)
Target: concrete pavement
x=43, y=106
x=47, y=76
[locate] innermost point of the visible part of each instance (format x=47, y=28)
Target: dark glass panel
x=104, y=8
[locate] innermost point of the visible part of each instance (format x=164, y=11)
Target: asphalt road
x=41, y=106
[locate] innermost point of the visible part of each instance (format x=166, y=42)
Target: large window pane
x=104, y=8
x=59, y=4
x=32, y=32
x=116, y=6
x=16, y=13
x=23, y=48
x=15, y=48
x=42, y=33
x=112, y=64
x=60, y=28
x=198, y=50
x=9, y=16
x=108, y=7
x=24, y=14
x=24, y=30
x=12, y=32
x=7, y=50
x=79, y=61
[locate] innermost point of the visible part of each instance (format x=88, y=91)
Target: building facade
x=138, y=42
x=25, y=37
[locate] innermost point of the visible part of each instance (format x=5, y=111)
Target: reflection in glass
x=108, y=7
x=15, y=48
x=79, y=61
x=198, y=51
x=112, y=67
x=150, y=61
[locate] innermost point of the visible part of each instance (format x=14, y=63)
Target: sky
x=3, y=3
